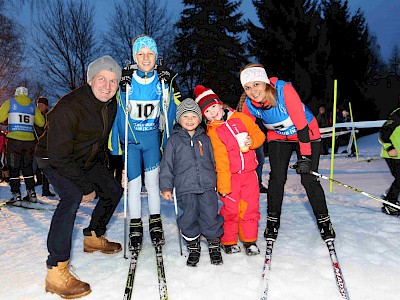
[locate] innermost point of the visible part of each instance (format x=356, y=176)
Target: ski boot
x=135, y=234
x=325, y=227
x=273, y=223
x=15, y=200
x=390, y=210
x=156, y=230
x=251, y=248
x=231, y=249
x=214, y=249
x=194, y=252
x=31, y=196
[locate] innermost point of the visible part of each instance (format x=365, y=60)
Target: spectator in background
x=323, y=121
x=41, y=179
x=389, y=137
x=346, y=116
x=22, y=115
x=346, y=138
x=3, y=150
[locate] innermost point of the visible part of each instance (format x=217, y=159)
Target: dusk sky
x=382, y=16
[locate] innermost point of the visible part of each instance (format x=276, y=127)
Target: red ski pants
x=241, y=209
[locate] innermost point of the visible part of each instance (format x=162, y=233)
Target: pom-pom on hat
x=205, y=97
x=21, y=90
x=105, y=62
x=188, y=105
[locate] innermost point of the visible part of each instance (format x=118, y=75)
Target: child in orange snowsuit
x=237, y=180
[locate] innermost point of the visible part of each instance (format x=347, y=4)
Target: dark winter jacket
x=323, y=120
x=76, y=135
x=188, y=163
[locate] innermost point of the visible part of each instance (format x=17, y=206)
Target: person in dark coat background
x=323, y=121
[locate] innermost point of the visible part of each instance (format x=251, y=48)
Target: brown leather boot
x=61, y=282
x=93, y=243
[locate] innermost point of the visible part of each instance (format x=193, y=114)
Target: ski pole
x=354, y=189
x=165, y=99
x=126, y=164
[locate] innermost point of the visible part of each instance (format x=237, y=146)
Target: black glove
x=303, y=165
x=126, y=77
x=165, y=74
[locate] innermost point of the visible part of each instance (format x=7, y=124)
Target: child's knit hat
x=205, y=98
x=188, y=105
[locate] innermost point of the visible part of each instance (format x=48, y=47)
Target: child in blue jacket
x=188, y=165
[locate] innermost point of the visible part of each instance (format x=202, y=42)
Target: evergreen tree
x=208, y=46
x=312, y=44
x=352, y=56
x=394, y=62
x=289, y=43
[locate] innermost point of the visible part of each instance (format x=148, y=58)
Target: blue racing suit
x=145, y=109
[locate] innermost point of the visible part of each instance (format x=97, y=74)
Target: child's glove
x=165, y=74
x=303, y=165
x=126, y=77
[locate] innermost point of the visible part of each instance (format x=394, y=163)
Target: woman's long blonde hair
x=270, y=90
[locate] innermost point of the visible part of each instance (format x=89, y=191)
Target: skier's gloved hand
x=303, y=165
x=165, y=74
x=126, y=77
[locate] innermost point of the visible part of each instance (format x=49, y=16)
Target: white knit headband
x=253, y=74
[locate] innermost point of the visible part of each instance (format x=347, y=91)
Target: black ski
x=131, y=275
x=266, y=271
x=337, y=271
x=162, y=281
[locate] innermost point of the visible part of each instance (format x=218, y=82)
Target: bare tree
x=64, y=44
x=131, y=18
x=11, y=54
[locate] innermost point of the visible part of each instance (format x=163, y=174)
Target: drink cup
x=241, y=138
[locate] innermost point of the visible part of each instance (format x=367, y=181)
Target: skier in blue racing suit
x=146, y=117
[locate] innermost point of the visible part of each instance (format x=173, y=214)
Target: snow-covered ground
x=367, y=246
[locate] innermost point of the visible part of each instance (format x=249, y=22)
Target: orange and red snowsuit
x=236, y=176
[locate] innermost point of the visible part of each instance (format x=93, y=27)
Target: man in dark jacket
x=72, y=154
